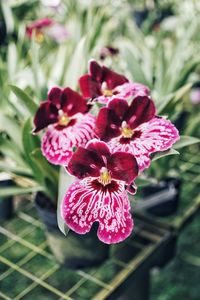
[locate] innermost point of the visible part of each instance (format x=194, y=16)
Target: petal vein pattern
x=87, y=201
x=57, y=145
x=158, y=134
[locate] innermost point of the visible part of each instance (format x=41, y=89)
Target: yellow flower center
x=39, y=36
x=63, y=119
x=105, y=177
x=126, y=131
x=105, y=91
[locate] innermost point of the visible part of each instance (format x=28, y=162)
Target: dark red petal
x=89, y=87
x=112, y=78
x=141, y=110
x=85, y=163
x=95, y=70
x=72, y=102
x=123, y=166
x=132, y=188
x=107, y=124
x=119, y=106
x=29, y=31
x=46, y=114
x=54, y=96
x=100, y=148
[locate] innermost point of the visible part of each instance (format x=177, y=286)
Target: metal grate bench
x=28, y=270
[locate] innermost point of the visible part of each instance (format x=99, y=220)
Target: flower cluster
x=105, y=152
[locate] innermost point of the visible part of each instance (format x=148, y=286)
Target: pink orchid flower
x=103, y=84
x=68, y=124
x=47, y=27
x=135, y=128
x=99, y=194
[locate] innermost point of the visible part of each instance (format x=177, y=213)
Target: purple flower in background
x=195, y=96
x=108, y=51
x=47, y=27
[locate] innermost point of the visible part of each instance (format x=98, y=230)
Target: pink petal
x=158, y=134
x=131, y=89
x=89, y=87
x=87, y=202
x=72, y=102
x=123, y=166
x=46, y=114
x=57, y=145
x=58, y=32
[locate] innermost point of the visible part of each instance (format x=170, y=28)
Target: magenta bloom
x=103, y=84
x=68, y=124
x=108, y=51
x=135, y=129
x=99, y=194
x=195, y=96
x=47, y=27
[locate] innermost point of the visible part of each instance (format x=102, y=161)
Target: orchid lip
x=63, y=118
x=126, y=131
x=105, y=90
x=105, y=177
x=39, y=36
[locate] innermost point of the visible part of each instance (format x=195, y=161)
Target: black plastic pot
x=2, y=32
x=75, y=251
x=140, y=16
x=6, y=203
x=160, y=199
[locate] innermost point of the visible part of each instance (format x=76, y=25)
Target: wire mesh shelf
x=28, y=269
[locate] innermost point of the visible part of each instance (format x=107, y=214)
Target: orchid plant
x=106, y=151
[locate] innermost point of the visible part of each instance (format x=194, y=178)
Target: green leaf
x=65, y=180
x=133, y=65
x=11, y=127
x=185, y=141
x=140, y=182
x=182, y=91
x=173, y=97
x=5, y=167
x=17, y=190
x=77, y=65
x=12, y=59
x=48, y=172
x=8, y=16
x=35, y=64
x=10, y=150
x=25, y=99
x=159, y=155
x=30, y=143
